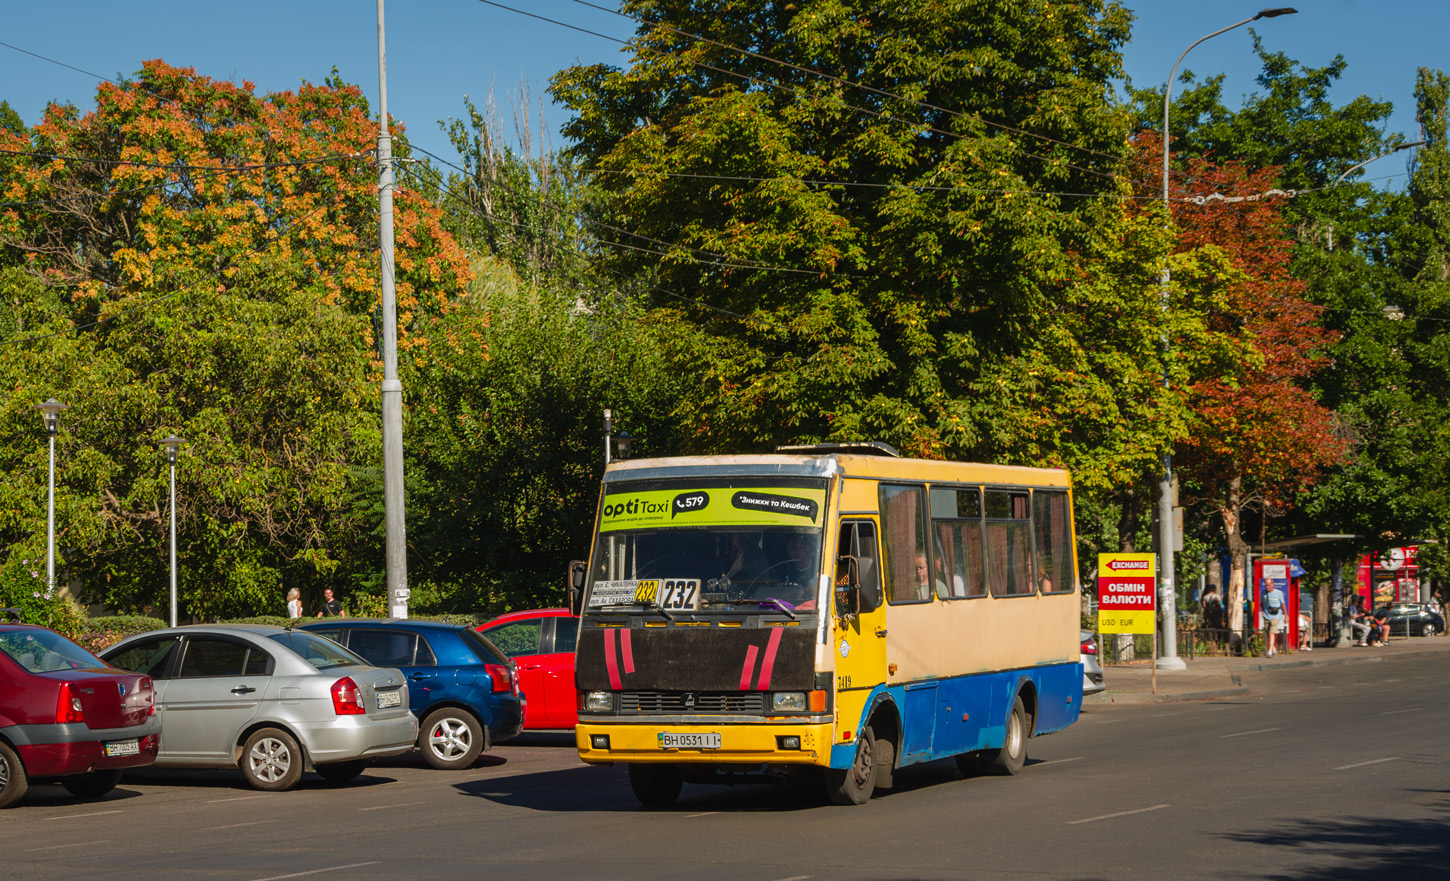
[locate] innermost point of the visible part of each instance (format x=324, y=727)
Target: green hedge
x=98, y=634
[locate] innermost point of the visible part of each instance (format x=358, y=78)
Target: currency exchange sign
x=1125, y=592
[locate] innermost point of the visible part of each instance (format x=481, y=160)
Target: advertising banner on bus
x=713, y=506
x=1126, y=598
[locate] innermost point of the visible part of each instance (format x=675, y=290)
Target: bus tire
x=656, y=786
x=854, y=785
x=1012, y=755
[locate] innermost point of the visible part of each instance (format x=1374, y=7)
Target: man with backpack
x=1274, y=616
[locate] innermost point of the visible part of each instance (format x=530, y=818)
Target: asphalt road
x=1328, y=772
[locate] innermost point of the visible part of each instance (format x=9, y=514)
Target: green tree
x=858, y=261
x=192, y=257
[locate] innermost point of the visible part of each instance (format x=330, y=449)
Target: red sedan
x=541, y=642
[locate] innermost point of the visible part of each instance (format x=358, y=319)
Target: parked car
x=65, y=714
x=541, y=643
x=1092, y=670
x=462, y=686
x=1416, y=619
x=273, y=701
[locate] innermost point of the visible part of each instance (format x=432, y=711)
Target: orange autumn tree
x=194, y=257
x=1257, y=434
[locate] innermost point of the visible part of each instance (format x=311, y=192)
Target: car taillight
x=68, y=705
x=1089, y=647
x=346, y=698
x=502, y=678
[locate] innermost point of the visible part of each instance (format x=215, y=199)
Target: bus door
x=859, y=639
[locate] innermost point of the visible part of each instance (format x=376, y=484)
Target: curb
x=1133, y=697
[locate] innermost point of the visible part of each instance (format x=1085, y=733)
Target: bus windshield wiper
x=779, y=605
x=649, y=606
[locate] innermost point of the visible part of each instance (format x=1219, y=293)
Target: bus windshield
x=688, y=547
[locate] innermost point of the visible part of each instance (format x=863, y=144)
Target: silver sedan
x=270, y=700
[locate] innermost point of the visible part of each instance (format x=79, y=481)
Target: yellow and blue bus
x=831, y=610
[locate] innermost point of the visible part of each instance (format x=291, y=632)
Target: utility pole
x=393, y=521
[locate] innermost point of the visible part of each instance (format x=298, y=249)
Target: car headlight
x=788, y=702
x=599, y=702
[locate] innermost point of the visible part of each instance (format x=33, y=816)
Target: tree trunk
x=1238, y=550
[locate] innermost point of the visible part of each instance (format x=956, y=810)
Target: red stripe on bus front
x=609, y=663
x=769, y=661
x=626, y=650
x=749, y=668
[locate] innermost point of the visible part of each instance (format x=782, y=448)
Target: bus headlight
x=598, y=702
x=788, y=702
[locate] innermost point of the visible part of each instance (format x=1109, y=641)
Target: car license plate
x=123, y=748
x=704, y=740
x=389, y=699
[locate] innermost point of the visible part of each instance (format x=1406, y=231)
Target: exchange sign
x=1126, y=599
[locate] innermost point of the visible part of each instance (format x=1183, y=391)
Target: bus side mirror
x=848, y=586
x=575, y=581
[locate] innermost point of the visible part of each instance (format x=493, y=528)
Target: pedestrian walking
x=294, y=603
x=1275, y=618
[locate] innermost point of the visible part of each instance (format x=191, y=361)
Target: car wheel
x=93, y=784
x=854, y=785
x=656, y=786
x=271, y=760
x=341, y=772
x=13, y=781
x=450, y=739
x=1427, y=630
x=1012, y=755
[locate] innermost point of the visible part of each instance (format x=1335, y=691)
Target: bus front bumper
x=800, y=743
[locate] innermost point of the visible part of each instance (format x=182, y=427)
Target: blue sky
x=441, y=50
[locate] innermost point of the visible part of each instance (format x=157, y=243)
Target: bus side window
x=903, y=527
x=1009, y=544
x=1052, y=534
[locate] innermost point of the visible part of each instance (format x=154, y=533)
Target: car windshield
x=319, y=651
x=41, y=651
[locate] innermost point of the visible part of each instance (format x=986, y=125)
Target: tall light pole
x=50, y=414
x=395, y=541
x=171, y=443
x=1168, y=600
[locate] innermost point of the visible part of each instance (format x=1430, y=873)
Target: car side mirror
x=575, y=584
x=848, y=586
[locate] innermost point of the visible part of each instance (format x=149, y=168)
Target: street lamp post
x=172, y=443
x=50, y=414
x=1169, y=659
x=1353, y=168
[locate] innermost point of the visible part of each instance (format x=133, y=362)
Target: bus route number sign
x=1126, y=598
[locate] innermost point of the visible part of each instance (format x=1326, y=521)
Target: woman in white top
x=294, y=603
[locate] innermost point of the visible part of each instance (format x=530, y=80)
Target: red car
x=65, y=714
x=541, y=642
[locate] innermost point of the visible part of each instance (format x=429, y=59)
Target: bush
x=98, y=634
x=274, y=620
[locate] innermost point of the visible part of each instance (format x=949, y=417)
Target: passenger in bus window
x=747, y=559
x=923, y=584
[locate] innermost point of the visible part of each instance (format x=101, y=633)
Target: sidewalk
x=1208, y=678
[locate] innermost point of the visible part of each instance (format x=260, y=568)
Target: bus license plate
x=389, y=699
x=123, y=748
x=706, y=740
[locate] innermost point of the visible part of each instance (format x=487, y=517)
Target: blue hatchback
x=462, y=688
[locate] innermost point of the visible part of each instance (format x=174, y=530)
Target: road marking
x=1165, y=715
x=238, y=798
x=406, y=804
x=92, y=814
x=1410, y=710
x=706, y=814
x=318, y=871
x=77, y=844
x=1246, y=733
x=797, y=878
x=240, y=825
x=1362, y=764
x=1118, y=814
x=1391, y=680
x=1061, y=761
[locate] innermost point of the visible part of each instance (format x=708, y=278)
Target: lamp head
x=622, y=443
x=50, y=414
x=171, y=443
x=1275, y=13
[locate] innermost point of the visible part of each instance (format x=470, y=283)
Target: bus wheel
x=854, y=785
x=1012, y=755
x=656, y=786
